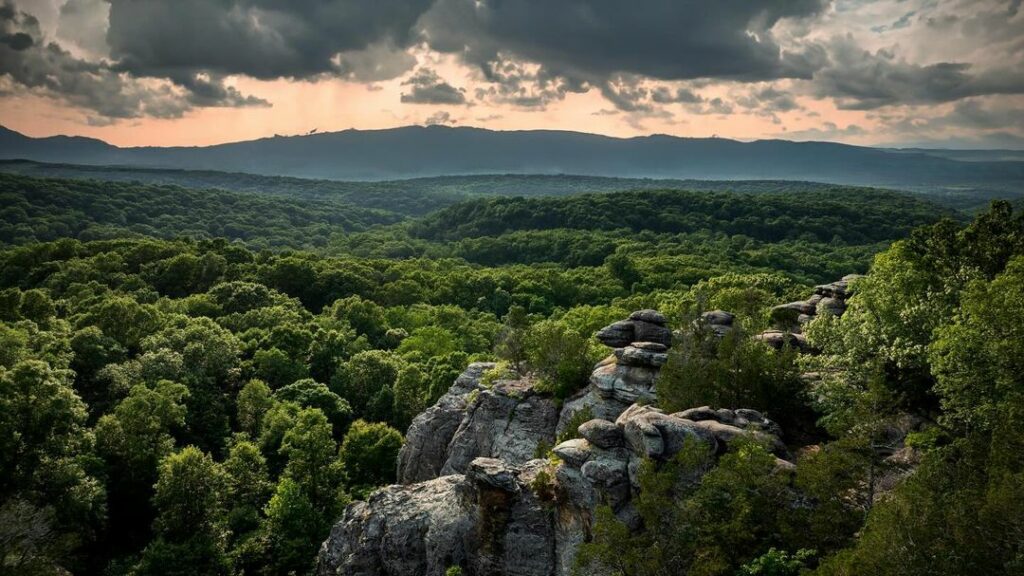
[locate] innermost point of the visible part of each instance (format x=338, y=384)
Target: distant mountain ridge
x=416, y=151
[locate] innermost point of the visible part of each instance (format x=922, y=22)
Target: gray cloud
x=426, y=87
x=899, y=24
x=768, y=101
x=440, y=118
x=861, y=80
x=662, y=95
x=84, y=23
x=49, y=69
x=264, y=39
x=522, y=84
x=590, y=41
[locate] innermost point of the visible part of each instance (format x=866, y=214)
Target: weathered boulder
x=651, y=316
x=573, y=452
x=778, y=339
x=790, y=318
x=642, y=326
x=507, y=421
x=649, y=354
x=487, y=521
x=602, y=433
x=617, y=334
x=833, y=306
x=718, y=318
x=417, y=529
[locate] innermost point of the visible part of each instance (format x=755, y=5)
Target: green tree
x=312, y=461
x=561, y=356
x=37, y=306
x=369, y=455
x=253, y=402
x=189, y=524
x=512, y=340
x=308, y=393
x=293, y=530
x=133, y=439
x=361, y=378
x=278, y=369
x=248, y=487
x=47, y=489
x=733, y=371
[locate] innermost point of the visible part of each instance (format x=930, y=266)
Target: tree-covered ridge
x=831, y=216
x=39, y=210
x=658, y=238
x=419, y=196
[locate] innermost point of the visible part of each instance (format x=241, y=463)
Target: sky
x=939, y=73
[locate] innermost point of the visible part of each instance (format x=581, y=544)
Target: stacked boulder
x=789, y=318
x=628, y=375
x=607, y=455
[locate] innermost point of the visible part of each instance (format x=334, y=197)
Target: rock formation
x=789, y=318
x=473, y=420
x=473, y=495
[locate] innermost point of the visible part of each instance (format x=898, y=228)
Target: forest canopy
x=199, y=381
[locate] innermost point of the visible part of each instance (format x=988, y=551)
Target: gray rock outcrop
x=627, y=376
x=487, y=521
x=789, y=318
x=506, y=420
x=472, y=494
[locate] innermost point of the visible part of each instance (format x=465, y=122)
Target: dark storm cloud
x=426, y=87
x=263, y=39
x=591, y=41
x=50, y=69
x=862, y=80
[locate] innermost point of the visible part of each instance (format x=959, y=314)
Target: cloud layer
x=940, y=66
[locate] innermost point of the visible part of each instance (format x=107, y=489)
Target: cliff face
x=473, y=495
x=506, y=420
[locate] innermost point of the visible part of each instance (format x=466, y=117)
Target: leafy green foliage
x=705, y=370
x=561, y=356
x=368, y=454
x=697, y=519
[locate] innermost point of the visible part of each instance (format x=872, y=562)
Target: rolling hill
x=415, y=151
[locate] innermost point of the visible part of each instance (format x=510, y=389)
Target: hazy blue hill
x=434, y=151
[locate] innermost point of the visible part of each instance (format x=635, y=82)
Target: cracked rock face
x=487, y=521
x=507, y=421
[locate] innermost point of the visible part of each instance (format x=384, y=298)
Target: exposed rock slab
x=506, y=421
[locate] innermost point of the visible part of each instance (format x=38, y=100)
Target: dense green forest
x=419, y=196
x=932, y=343
x=198, y=381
